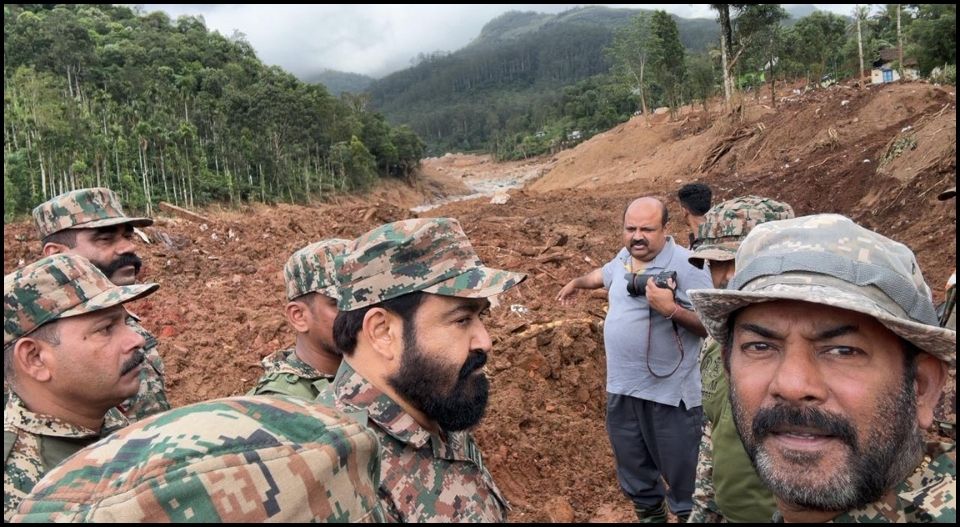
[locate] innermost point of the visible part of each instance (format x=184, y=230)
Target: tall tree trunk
x=163, y=174
x=859, y=41
x=726, y=34
x=899, y=44
x=43, y=176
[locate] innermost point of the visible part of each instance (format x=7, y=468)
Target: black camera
x=637, y=283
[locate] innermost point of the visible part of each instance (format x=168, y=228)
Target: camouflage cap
x=312, y=270
x=59, y=286
x=728, y=223
x=828, y=259
x=431, y=255
x=86, y=208
x=239, y=459
x=947, y=194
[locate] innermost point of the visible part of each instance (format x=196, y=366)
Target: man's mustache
x=475, y=361
x=123, y=260
x=770, y=420
x=135, y=360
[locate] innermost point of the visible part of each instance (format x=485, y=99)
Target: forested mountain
x=165, y=109
x=517, y=74
x=338, y=82
x=532, y=83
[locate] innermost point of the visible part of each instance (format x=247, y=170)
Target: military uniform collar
x=916, y=499
x=287, y=361
x=17, y=415
x=357, y=393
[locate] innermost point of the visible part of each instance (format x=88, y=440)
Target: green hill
x=338, y=82
x=165, y=109
x=519, y=74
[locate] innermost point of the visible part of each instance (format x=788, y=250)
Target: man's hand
x=591, y=280
x=567, y=294
x=661, y=299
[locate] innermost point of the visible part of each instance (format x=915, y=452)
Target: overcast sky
x=371, y=39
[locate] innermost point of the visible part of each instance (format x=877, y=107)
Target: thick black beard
x=423, y=381
x=875, y=465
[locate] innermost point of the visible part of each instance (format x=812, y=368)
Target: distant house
x=884, y=70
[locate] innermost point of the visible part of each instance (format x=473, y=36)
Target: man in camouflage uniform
x=233, y=460
x=945, y=416
x=836, y=362
x=728, y=487
x=306, y=369
x=90, y=222
x=411, y=297
x=69, y=359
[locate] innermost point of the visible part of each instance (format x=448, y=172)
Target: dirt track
x=219, y=308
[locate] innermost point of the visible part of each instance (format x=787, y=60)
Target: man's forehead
x=109, y=313
x=108, y=229
x=453, y=303
x=645, y=214
x=788, y=316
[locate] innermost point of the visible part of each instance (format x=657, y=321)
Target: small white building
x=884, y=70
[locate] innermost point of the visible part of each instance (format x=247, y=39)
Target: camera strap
x=676, y=334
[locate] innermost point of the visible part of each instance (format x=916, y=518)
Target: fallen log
x=182, y=213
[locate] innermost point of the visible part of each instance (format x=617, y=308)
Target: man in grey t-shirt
x=653, y=382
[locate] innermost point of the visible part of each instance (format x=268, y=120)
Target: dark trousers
x=651, y=440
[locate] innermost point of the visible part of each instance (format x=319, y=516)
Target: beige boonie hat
x=828, y=259
x=86, y=208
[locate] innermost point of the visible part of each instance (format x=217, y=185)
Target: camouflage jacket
x=727, y=486
x=929, y=495
x=423, y=477
x=34, y=443
x=285, y=374
x=234, y=460
x=152, y=396
x=945, y=414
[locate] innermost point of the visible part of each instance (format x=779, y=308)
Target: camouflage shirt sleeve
x=29, y=459
x=423, y=477
x=705, y=509
x=152, y=395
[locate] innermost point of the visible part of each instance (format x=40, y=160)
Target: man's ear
x=30, y=359
x=298, y=315
x=51, y=248
x=931, y=375
x=383, y=331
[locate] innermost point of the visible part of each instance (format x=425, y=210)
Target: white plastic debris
x=142, y=235
x=519, y=309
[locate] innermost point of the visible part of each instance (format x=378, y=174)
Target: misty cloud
x=370, y=39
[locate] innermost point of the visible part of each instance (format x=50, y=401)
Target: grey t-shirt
x=627, y=326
